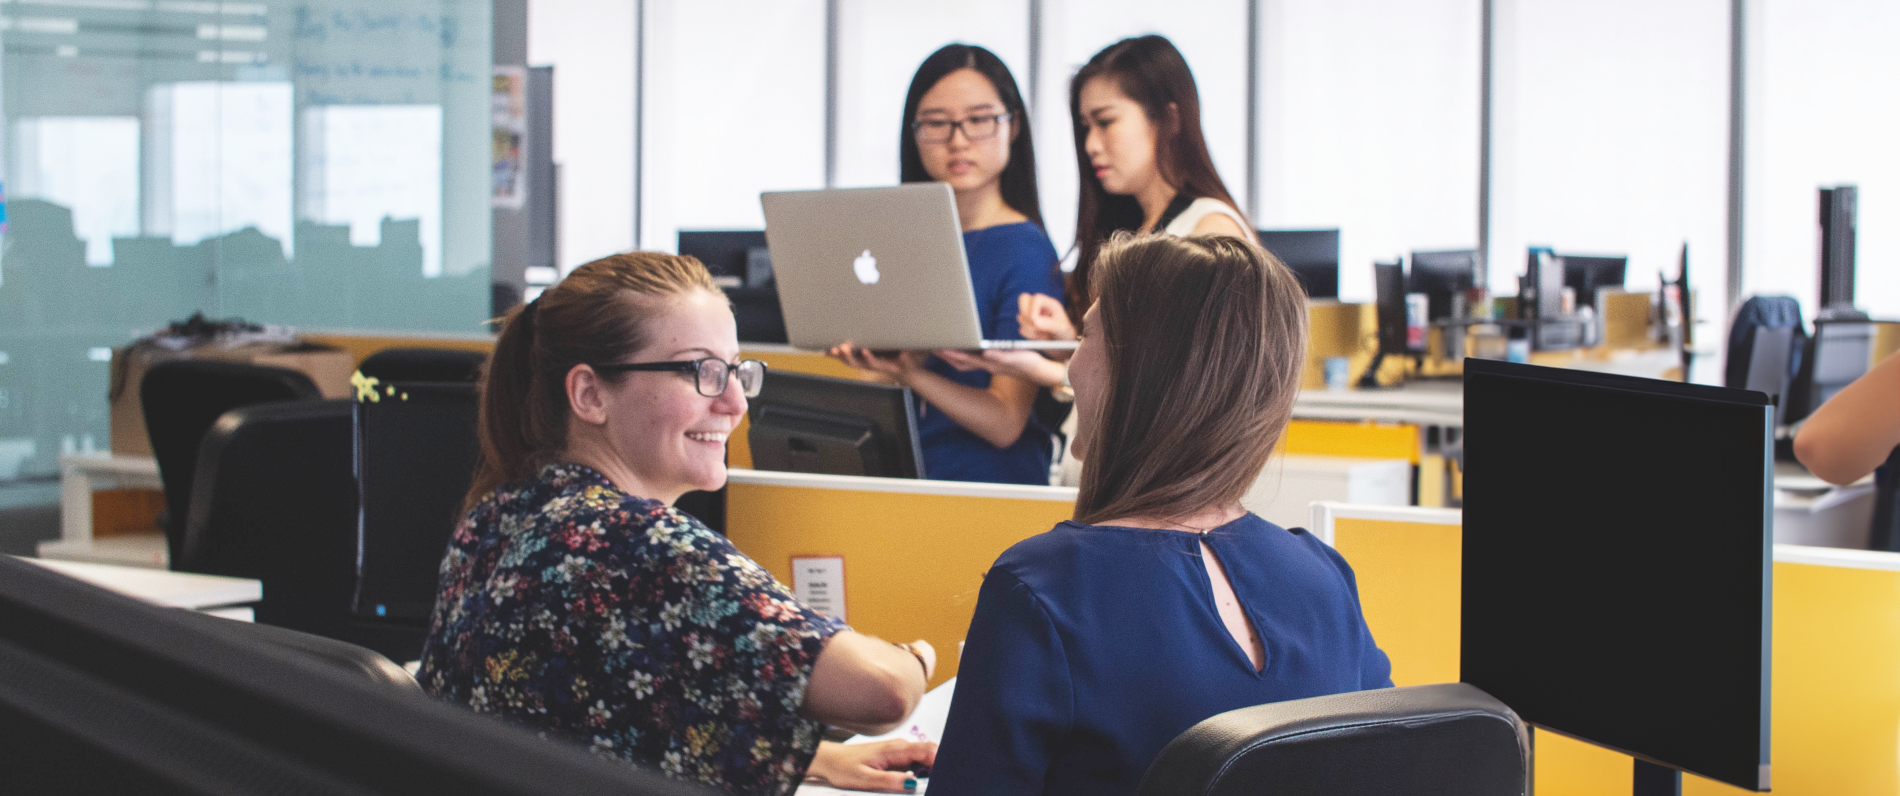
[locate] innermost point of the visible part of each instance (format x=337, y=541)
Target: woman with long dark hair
x=965, y=124
x=1144, y=167
x=1163, y=602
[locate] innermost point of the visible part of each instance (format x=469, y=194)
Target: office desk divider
x=1836, y=652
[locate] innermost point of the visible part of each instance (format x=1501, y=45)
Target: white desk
x=1425, y=403
x=81, y=473
x=212, y=594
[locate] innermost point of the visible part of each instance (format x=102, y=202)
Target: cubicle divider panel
x=915, y=552
x=781, y=359
x=1409, y=589
x=1367, y=440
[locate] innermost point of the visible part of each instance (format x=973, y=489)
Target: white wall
x=1823, y=110
x=735, y=105
x=1612, y=130
x=591, y=45
x=1369, y=114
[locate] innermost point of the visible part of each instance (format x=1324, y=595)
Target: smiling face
x=1121, y=138
x=965, y=164
x=1088, y=377
x=657, y=426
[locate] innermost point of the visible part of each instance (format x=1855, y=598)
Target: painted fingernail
x=910, y=783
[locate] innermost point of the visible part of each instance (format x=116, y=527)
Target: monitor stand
x=1656, y=780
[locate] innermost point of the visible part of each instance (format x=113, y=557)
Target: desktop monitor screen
x=1841, y=351
x=1441, y=275
x=1617, y=562
x=817, y=424
x=1388, y=283
x=416, y=452
x=1586, y=274
x=742, y=265
x=1311, y=254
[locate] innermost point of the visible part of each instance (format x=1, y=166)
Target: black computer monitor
x=817, y=424
x=1312, y=255
x=1584, y=274
x=1388, y=285
x=1617, y=554
x=1839, y=207
x=1838, y=353
x=416, y=451
x=103, y=694
x=1441, y=275
x=741, y=263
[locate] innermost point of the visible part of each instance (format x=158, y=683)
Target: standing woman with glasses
x=574, y=600
x=965, y=124
x=1144, y=167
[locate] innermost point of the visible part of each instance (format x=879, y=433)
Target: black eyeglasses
x=975, y=128
x=711, y=375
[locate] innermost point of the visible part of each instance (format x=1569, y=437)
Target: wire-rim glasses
x=711, y=375
x=981, y=127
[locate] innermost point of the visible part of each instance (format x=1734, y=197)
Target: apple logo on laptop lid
x=865, y=266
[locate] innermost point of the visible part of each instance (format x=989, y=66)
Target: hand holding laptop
x=1042, y=317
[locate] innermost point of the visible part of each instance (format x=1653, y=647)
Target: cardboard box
x=329, y=367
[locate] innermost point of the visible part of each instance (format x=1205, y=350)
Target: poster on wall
x=509, y=102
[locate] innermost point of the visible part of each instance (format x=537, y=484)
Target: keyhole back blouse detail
x=1092, y=647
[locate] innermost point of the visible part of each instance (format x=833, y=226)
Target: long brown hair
x=596, y=315
x=1150, y=71
x=1205, y=338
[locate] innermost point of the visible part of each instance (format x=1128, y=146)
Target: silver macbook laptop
x=880, y=267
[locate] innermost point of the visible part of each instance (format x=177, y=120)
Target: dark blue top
x=1094, y=646
x=1005, y=262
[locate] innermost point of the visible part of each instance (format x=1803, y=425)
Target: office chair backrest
x=1759, y=312
x=424, y=364
x=338, y=655
x=182, y=398
x=1419, y=740
x=275, y=499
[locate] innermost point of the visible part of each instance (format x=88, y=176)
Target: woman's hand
x=1043, y=318
x=883, y=766
x=897, y=367
x=1029, y=366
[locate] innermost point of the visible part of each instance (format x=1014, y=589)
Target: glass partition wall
x=322, y=163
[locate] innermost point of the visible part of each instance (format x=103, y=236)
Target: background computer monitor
x=741, y=263
x=103, y=694
x=1617, y=562
x=1586, y=273
x=1441, y=275
x=1312, y=255
x=817, y=424
x=1388, y=284
x=1838, y=353
x=416, y=451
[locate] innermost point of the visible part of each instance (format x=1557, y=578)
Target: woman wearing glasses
x=965, y=124
x=575, y=601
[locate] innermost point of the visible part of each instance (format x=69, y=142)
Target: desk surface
x=163, y=587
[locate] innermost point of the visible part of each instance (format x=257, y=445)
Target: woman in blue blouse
x=965, y=124
x=576, y=601
x=1164, y=602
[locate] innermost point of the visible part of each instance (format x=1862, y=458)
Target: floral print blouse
x=576, y=609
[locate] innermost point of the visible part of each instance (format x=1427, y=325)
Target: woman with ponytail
x=576, y=601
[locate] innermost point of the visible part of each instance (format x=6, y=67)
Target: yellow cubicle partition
x=1835, y=711
x=914, y=551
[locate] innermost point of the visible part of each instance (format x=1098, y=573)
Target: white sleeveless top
x=1183, y=224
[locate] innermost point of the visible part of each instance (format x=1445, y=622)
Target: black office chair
x=274, y=499
x=181, y=399
x=424, y=364
x=339, y=655
x=1886, y=532
x=1421, y=740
